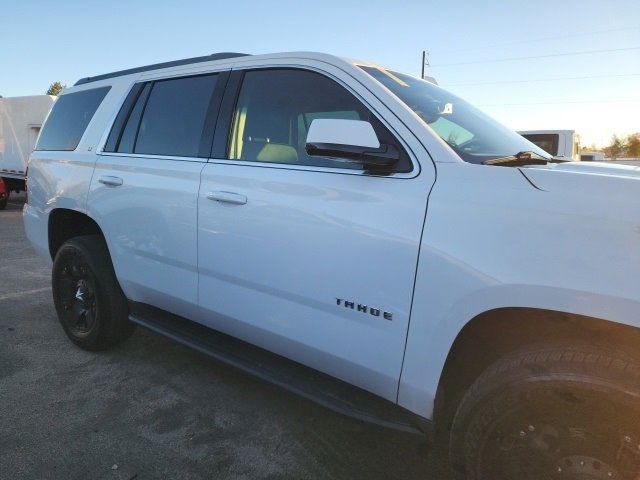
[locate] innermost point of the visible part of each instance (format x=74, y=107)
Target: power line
x=540, y=39
x=563, y=54
x=549, y=79
x=557, y=103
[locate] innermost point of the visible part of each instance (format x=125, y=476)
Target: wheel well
x=65, y=224
x=496, y=333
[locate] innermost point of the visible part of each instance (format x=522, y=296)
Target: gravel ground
x=152, y=409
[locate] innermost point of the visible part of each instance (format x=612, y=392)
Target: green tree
x=55, y=88
x=616, y=148
x=633, y=145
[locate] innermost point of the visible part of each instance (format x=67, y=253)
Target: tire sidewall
x=503, y=386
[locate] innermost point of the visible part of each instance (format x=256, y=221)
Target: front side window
x=69, y=118
x=546, y=141
x=473, y=135
x=275, y=109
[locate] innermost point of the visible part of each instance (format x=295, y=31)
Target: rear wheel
x=4, y=199
x=567, y=412
x=90, y=304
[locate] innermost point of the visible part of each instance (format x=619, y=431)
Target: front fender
x=492, y=240
x=425, y=360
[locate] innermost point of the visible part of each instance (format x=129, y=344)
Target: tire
x=90, y=304
x=5, y=200
x=565, y=412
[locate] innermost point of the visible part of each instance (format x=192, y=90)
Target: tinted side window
x=174, y=116
x=546, y=141
x=69, y=118
x=275, y=109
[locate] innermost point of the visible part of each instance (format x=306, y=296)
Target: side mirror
x=431, y=111
x=353, y=141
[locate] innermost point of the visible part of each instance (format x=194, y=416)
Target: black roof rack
x=157, y=66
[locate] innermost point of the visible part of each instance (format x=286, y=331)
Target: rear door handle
x=110, y=181
x=227, y=197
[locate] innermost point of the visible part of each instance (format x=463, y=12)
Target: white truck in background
x=20, y=121
x=562, y=144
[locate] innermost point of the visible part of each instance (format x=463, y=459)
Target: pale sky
x=65, y=40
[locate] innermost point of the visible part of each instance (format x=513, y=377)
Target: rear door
x=309, y=257
x=145, y=187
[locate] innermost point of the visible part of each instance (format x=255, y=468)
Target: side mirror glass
x=352, y=141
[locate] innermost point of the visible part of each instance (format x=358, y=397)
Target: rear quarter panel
x=61, y=179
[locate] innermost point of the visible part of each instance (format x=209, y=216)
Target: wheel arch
x=65, y=223
x=498, y=332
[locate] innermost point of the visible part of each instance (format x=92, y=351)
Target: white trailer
x=20, y=121
x=563, y=144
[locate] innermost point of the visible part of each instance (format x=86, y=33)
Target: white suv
x=361, y=237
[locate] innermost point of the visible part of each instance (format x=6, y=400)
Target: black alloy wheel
x=91, y=306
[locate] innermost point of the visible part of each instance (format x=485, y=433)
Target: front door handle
x=227, y=197
x=110, y=181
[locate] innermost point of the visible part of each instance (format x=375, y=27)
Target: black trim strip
x=144, y=108
x=117, y=129
x=221, y=138
x=213, y=113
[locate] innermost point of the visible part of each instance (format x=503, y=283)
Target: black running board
x=306, y=382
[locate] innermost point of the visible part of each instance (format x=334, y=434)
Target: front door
x=311, y=258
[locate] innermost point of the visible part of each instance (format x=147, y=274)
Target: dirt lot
x=152, y=409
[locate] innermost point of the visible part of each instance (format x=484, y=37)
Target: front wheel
x=567, y=412
x=90, y=304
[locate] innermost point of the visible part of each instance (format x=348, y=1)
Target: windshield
x=473, y=135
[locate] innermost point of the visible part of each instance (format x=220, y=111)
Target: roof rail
x=157, y=66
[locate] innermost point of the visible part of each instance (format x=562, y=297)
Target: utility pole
x=425, y=62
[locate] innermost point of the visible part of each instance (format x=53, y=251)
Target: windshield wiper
x=520, y=159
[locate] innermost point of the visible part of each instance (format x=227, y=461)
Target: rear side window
x=69, y=119
x=165, y=117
